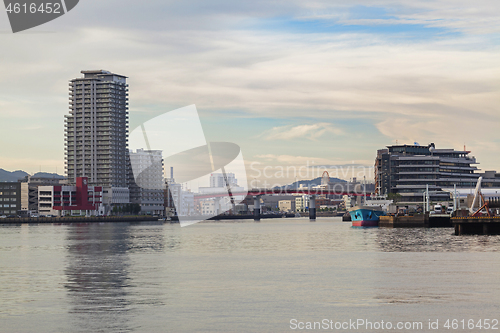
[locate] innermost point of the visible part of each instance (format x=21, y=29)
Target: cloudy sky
x=293, y=83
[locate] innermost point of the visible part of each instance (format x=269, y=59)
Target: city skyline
x=325, y=82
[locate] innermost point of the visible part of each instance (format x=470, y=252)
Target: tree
x=135, y=208
x=395, y=197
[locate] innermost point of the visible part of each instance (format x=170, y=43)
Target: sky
x=293, y=83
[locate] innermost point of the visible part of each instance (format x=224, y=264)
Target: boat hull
x=365, y=223
x=365, y=216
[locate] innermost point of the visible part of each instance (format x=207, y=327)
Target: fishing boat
x=366, y=216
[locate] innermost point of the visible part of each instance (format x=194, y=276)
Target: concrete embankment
x=415, y=221
x=78, y=219
x=476, y=225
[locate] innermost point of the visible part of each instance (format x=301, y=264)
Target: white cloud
x=310, y=132
x=180, y=53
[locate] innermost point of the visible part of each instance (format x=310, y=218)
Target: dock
x=78, y=219
x=416, y=221
x=483, y=225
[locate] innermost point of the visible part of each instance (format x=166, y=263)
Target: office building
x=96, y=130
x=10, y=198
x=408, y=170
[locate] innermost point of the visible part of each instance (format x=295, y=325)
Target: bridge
x=269, y=191
x=256, y=193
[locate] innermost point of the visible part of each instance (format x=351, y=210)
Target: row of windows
x=7, y=199
x=8, y=211
x=420, y=169
x=415, y=162
x=8, y=193
x=456, y=171
x=7, y=187
x=418, y=176
x=11, y=205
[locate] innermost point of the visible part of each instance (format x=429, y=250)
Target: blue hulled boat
x=365, y=216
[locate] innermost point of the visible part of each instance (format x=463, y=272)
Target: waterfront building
x=301, y=203
x=96, y=130
x=29, y=191
x=148, y=171
x=209, y=207
x=65, y=200
x=10, y=198
x=114, y=196
x=408, y=170
x=286, y=205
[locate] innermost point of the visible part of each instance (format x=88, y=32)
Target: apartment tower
x=96, y=130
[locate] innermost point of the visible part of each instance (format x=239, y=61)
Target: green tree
x=135, y=208
x=395, y=197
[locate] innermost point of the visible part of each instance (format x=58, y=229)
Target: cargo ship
x=365, y=216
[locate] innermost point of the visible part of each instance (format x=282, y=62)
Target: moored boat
x=365, y=216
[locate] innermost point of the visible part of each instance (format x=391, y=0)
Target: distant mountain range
x=311, y=182
x=14, y=176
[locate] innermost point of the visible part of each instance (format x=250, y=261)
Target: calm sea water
x=241, y=276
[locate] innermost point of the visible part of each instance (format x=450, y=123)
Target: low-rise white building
x=301, y=203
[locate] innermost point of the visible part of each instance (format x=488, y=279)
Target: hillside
x=14, y=176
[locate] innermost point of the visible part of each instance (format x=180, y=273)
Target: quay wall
x=476, y=225
x=78, y=219
x=416, y=221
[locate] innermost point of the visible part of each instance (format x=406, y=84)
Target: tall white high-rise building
x=96, y=130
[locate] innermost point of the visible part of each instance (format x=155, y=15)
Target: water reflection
x=433, y=240
x=97, y=273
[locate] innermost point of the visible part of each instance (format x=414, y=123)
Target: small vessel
x=365, y=216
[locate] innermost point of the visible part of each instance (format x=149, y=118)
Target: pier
x=78, y=219
x=483, y=225
x=416, y=221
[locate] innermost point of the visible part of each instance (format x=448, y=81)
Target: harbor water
x=242, y=276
